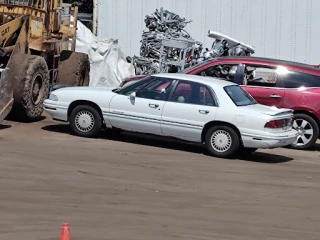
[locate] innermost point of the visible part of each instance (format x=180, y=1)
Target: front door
x=142, y=112
x=188, y=109
x=264, y=85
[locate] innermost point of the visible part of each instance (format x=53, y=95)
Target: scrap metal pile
x=224, y=45
x=166, y=46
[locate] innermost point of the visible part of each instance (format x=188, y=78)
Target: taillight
x=282, y=123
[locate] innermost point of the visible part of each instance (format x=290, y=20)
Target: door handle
x=275, y=96
x=204, y=111
x=153, y=105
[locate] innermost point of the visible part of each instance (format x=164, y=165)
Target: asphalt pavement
x=136, y=187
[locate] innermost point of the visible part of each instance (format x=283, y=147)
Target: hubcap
x=37, y=90
x=84, y=121
x=305, y=131
x=221, y=141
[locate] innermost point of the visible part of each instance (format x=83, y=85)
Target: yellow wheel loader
x=37, y=51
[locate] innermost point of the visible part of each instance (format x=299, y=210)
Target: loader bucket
x=6, y=94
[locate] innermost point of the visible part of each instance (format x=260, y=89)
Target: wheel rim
x=84, y=121
x=221, y=141
x=305, y=131
x=37, y=90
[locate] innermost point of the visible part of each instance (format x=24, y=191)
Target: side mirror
x=132, y=96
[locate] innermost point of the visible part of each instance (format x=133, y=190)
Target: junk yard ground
x=140, y=187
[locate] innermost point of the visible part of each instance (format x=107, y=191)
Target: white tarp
x=108, y=63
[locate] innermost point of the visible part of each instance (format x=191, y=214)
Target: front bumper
x=279, y=140
x=57, y=110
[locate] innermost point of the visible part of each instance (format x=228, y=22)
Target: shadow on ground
x=2, y=127
x=162, y=142
x=315, y=148
x=260, y=157
x=16, y=119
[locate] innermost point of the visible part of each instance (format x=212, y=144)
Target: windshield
x=239, y=96
x=127, y=84
x=197, y=65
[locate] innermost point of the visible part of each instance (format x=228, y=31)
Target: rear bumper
x=281, y=140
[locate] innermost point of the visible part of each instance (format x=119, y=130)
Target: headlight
x=53, y=97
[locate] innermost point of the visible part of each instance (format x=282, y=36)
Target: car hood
x=268, y=110
x=90, y=89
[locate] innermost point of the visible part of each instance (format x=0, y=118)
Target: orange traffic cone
x=65, y=232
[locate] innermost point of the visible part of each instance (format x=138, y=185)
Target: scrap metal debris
x=224, y=45
x=166, y=46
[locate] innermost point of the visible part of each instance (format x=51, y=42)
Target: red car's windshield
x=197, y=65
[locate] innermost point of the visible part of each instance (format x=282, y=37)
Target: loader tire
x=74, y=69
x=30, y=86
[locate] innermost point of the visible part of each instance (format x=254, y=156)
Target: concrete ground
x=142, y=188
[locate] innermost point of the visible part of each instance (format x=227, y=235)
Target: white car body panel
x=180, y=120
x=136, y=116
x=188, y=122
x=101, y=96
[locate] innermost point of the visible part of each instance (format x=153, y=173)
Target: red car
x=272, y=82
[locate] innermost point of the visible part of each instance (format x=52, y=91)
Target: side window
x=135, y=86
x=298, y=79
x=192, y=93
x=224, y=71
x=261, y=76
x=156, y=89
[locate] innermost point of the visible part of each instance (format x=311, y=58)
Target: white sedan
x=218, y=113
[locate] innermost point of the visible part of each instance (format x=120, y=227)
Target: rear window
x=239, y=96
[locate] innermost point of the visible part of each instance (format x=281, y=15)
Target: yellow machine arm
x=7, y=29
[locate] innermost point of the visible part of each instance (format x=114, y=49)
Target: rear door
x=299, y=87
x=190, y=106
x=259, y=80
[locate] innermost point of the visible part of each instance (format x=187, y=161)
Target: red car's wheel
x=308, y=131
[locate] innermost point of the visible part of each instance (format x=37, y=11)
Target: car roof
x=212, y=81
x=239, y=59
x=270, y=60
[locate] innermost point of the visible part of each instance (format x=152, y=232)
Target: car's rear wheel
x=222, y=141
x=85, y=121
x=308, y=130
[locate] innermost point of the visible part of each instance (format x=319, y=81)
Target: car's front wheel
x=308, y=130
x=222, y=141
x=85, y=121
